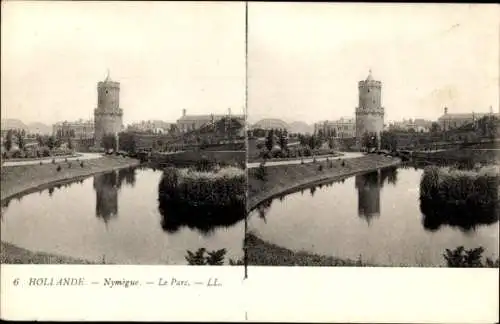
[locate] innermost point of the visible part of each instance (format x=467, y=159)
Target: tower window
x=106, y=91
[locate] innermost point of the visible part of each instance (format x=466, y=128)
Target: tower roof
x=108, y=77
x=369, y=77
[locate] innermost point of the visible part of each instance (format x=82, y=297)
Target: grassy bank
x=20, y=180
x=461, y=156
x=44, y=158
x=262, y=253
x=333, y=155
x=16, y=180
x=11, y=254
x=267, y=182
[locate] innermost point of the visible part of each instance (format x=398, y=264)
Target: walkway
x=345, y=156
x=82, y=156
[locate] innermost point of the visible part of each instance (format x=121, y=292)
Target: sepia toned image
x=240, y=161
x=373, y=135
x=122, y=133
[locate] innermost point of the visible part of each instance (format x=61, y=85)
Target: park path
x=82, y=156
x=346, y=155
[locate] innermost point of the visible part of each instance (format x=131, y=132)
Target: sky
x=167, y=57
x=305, y=60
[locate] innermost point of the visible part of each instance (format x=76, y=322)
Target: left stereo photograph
x=123, y=135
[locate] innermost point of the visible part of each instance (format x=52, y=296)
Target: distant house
x=344, y=127
x=452, y=121
x=189, y=123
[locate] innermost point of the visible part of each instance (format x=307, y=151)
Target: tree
x=70, y=144
x=270, y=140
x=109, y=142
x=283, y=141
x=20, y=140
x=435, y=127
x=388, y=140
x=51, y=142
x=369, y=140
x=41, y=141
x=8, y=140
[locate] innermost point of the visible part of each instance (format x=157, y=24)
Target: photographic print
x=249, y=161
x=123, y=135
x=373, y=135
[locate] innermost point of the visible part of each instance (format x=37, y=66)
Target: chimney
x=229, y=111
x=445, y=110
x=183, y=112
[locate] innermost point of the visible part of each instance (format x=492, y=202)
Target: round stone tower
x=369, y=113
x=108, y=116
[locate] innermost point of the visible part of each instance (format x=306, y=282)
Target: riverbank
x=11, y=254
x=24, y=179
x=268, y=182
x=262, y=253
x=45, y=158
x=260, y=160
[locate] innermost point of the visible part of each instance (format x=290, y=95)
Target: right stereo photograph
x=373, y=136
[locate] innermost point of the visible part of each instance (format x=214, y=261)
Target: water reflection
x=175, y=215
x=106, y=189
x=263, y=208
x=466, y=217
x=127, y=176
x=368, y=186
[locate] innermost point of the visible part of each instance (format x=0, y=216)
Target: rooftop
x=466, y=115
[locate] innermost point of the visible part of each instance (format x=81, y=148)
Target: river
x=375, y=217
x=112, y=217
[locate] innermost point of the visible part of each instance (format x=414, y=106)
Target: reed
x=222, y=187
x=458, y=186
x=459, y=198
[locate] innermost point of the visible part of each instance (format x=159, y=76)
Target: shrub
x=236, y=262
x=58, y=168
x=65, y=159
x=204, y=165
x=53, y=161
x=301, y=161
x=215, y=257
x=69, y=165
x=41, y=162
x=320, y=167
x=462, y=258
x=343, y=163
x=314, y=160
x=81, y=164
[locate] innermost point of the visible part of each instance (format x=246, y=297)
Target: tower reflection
x=106, y=187
x=368, y=186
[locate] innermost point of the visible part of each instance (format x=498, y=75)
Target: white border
x=298, y=294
